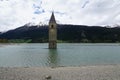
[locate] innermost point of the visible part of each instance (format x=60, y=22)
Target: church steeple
x=52, y=19
x=52, y=32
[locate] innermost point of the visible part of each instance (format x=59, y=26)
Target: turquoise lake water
x=67, y=54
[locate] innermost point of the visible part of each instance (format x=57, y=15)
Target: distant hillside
x=67, y=33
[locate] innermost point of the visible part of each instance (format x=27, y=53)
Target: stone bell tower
x=52, y=32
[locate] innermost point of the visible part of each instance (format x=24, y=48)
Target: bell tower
x=52, y=32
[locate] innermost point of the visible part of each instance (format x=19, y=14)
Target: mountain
x=67, y=33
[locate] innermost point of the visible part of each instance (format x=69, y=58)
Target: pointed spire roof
x=52, y=19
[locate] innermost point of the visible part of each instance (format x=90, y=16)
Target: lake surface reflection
x=67, y=54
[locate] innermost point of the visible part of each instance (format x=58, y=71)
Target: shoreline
x=95, y=72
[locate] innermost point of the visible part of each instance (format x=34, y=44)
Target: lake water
x=67, y=54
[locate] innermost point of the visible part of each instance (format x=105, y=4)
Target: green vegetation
x=15, y=41
x=61, y=41
x=19, y=41
x=3, y=41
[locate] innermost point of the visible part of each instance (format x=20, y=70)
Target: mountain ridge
x=68, y=33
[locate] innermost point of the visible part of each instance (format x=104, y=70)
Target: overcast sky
x=15, y=13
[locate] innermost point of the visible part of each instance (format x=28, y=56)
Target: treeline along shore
x=65, y=33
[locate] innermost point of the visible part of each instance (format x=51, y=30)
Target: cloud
x=38, y=8
x=15, y=13
x=84, y=5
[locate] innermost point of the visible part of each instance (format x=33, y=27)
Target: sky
x=16, y=13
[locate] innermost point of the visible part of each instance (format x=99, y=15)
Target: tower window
x=52, y=26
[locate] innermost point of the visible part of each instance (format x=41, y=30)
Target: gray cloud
x=14, y=13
